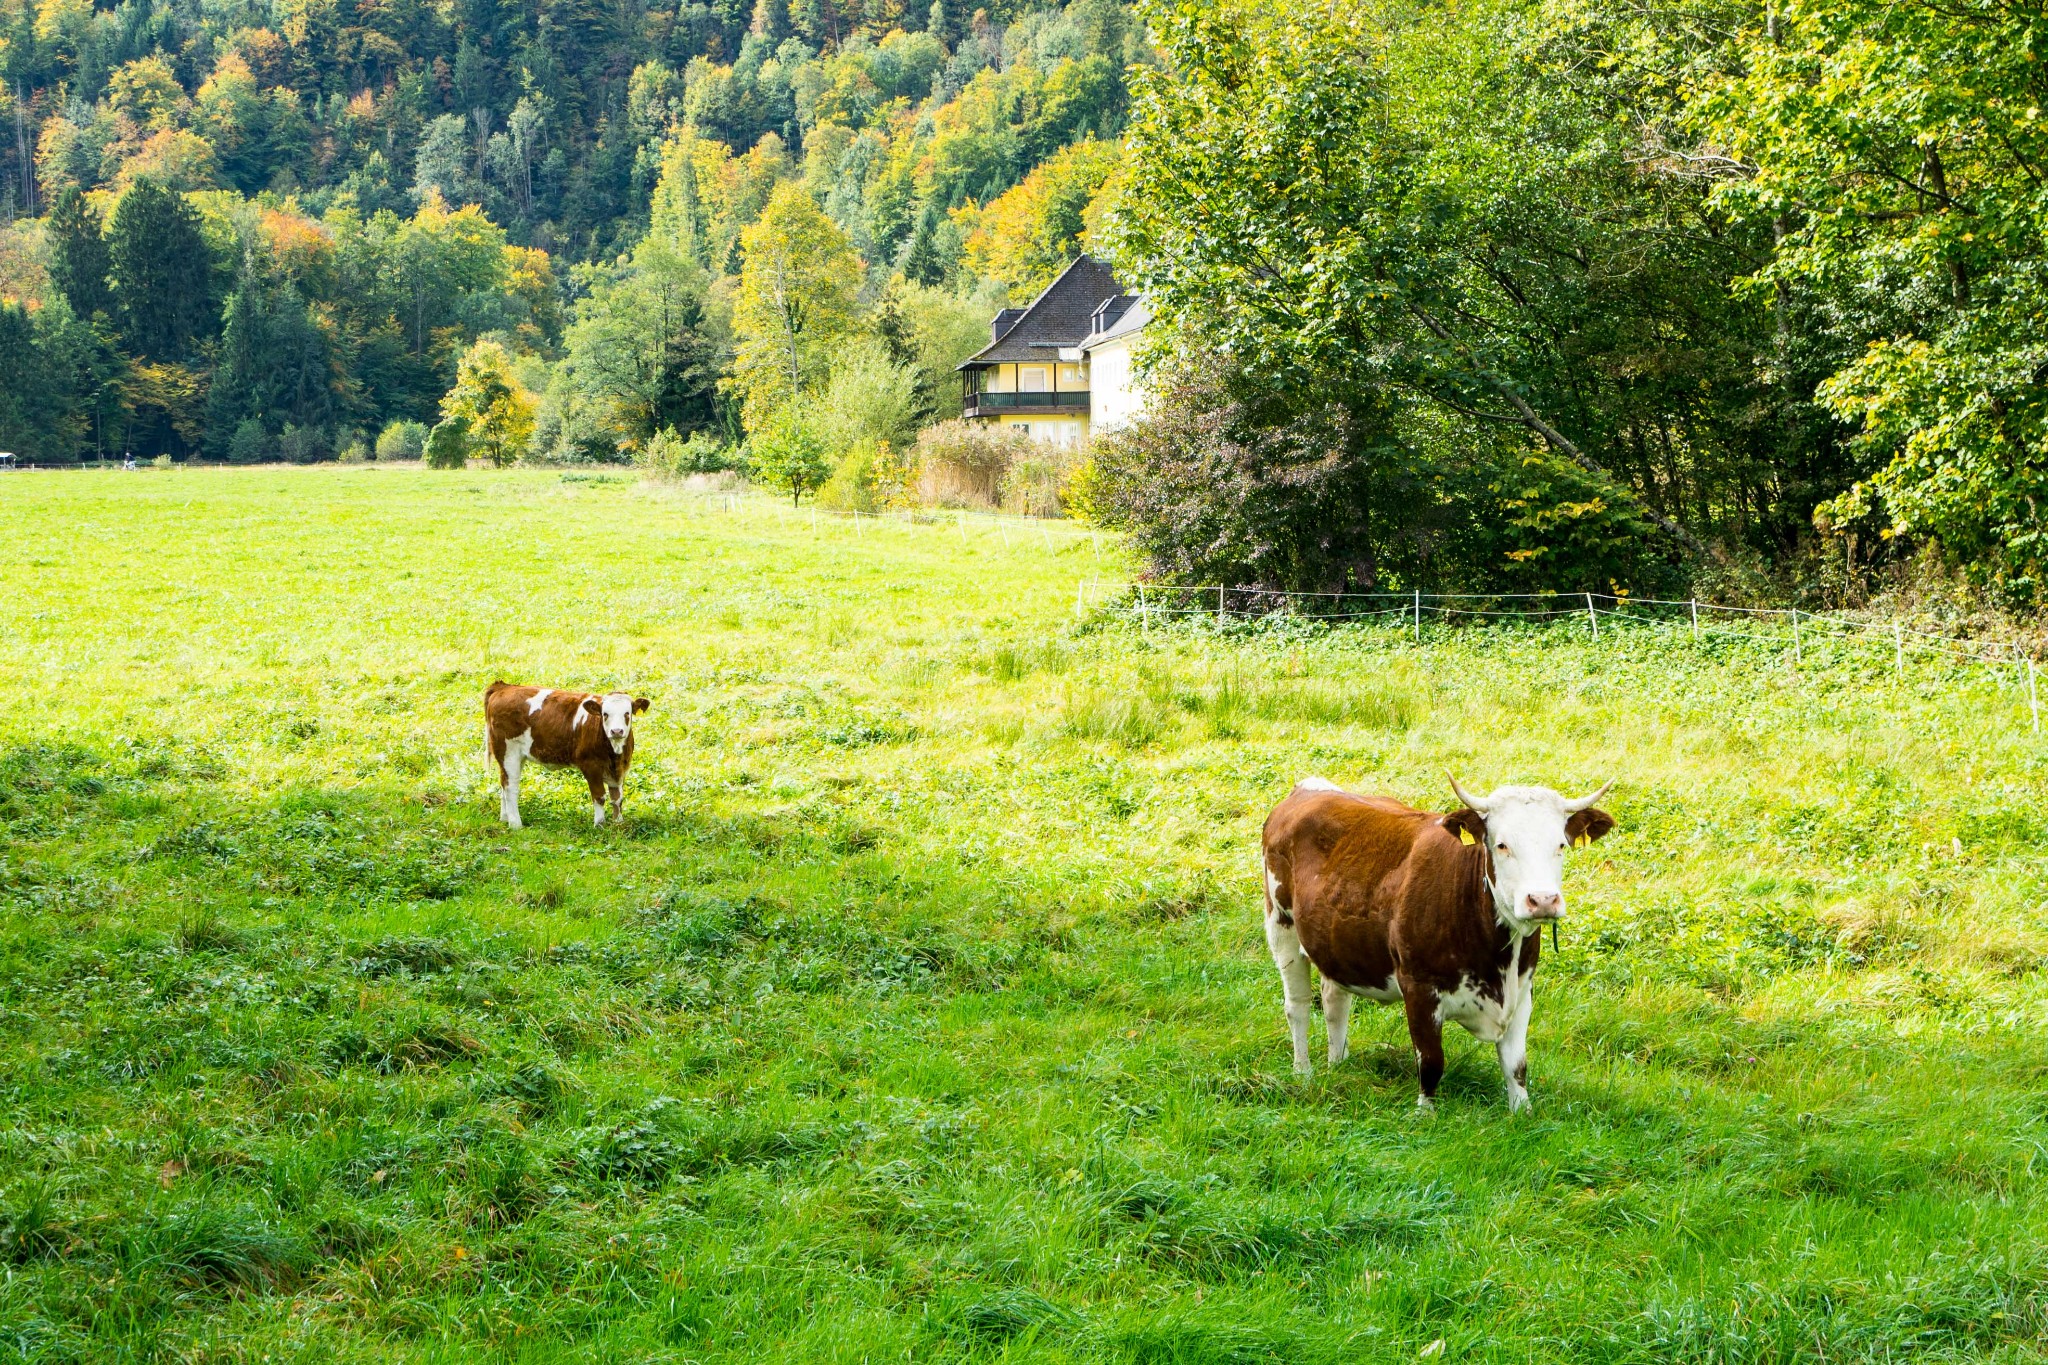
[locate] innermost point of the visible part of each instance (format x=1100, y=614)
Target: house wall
x=1059, y=431
x=1115, y=397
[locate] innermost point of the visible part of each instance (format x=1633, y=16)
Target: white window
x=1034, y=378
x=1024, y=427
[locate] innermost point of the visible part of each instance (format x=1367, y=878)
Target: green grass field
x=920, y=1010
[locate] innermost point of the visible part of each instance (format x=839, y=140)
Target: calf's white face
x=615, y=711
x=1527, y=830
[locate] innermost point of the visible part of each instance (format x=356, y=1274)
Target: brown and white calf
x=589, y=731
x=1392, y=903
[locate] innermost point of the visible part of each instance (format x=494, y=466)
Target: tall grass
x=919, y=1008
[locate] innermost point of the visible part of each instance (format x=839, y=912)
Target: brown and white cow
x=1439, y=912
x=589, y=731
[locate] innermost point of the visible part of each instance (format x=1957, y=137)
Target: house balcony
x=1070, y=403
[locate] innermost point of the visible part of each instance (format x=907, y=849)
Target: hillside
x=358, y=192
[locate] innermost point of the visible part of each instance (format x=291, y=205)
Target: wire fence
x=1793, y=630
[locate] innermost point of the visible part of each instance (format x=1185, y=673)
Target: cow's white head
x=1526, y=831
x=616, y=710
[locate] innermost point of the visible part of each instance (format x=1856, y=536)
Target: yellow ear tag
x=1581, y=841
x=1465, y=836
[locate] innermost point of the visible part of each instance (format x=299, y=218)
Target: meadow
x=919, y=1010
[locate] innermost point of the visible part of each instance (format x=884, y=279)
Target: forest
x=279, y=232
x=1524, y=293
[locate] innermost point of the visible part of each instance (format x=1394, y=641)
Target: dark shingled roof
x=1061, y=316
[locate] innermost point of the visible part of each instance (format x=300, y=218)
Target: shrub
x=250, y=444
x=161, y=462
x=302, y=445
x=355, y=452
x=403, y=440
x=670, y=456
x=962, y=463
x=448, y=444
x=1035, y=483
x=1233, y=479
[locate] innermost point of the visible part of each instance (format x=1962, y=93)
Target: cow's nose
x=1548, y=905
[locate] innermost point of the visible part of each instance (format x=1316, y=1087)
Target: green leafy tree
x=1457, y=216
x=641, y=345
x=1899, y=151
x=790, y=453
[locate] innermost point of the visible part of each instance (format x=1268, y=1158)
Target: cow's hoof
x=1425, y=1107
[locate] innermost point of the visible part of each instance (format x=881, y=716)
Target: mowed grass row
x=920, y=1008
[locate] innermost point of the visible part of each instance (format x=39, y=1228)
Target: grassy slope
x=921, y=1010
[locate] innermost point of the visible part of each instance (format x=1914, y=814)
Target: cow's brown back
x=1374, y=887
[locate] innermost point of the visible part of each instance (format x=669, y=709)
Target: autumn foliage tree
x=491, y=403
x=796, y=299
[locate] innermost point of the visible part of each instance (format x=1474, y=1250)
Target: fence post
x=1898, y=649
x=960, y=523
x=1591, y=618
x=1418, y=616
x=1795, y=637
x=2033, y=697
x=1695, y=620
x=1220, y=590
x=1144, y=612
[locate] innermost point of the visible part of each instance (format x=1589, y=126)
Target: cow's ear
x=1468, y=824
x=593, y=706
x=640, y=704
x=1588, y=824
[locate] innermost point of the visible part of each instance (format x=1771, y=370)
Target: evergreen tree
x=162, y=272
x=78, y=255
x=923, y=262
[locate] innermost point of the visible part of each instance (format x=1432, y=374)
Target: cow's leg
x=511, y=758
x=1426, y=1031
x=615, y=790
x=1288, y=956
x=595, y=778
x=1513, y=1048
x=1337, y=1014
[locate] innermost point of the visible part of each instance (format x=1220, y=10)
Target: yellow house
x=1037, y=373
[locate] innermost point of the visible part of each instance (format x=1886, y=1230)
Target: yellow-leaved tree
x=796, y=299
x=1026, y=237
x=491, y=402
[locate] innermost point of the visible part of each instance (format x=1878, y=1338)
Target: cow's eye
x=1502, y=847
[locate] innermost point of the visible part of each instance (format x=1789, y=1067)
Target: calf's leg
x=511, y=757
x=595, y=778
x=1337, y=1014
x=1426, y=1031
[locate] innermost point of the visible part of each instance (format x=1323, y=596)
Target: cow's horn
x=1474, y=802
x=1574, y=807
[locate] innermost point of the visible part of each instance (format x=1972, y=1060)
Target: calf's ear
x=1588, y=824
x=593, y=706
x=640, y=704
x=1467, y=824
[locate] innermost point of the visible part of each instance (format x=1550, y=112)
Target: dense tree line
x=1559, y=295
x=283, y=230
